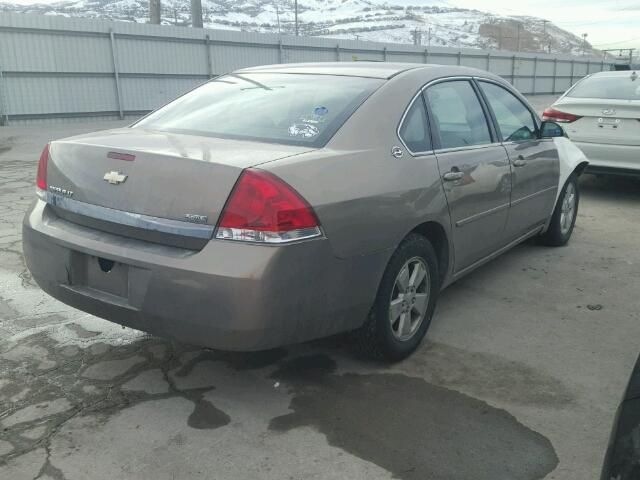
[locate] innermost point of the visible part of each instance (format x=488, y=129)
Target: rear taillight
x=559, y=117
x=263, y=208
x=41, y=177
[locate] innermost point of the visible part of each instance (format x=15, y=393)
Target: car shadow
x=609, y=188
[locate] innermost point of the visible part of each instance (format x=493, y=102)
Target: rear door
x=534, y=161
x=474, y=168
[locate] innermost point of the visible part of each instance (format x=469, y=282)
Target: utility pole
x=544, y=33
x=154, y=12
x=499, y=38
x=417, y=36
x=584, y=42
x=429, y=38
x=277, y=16
x=196, y=13
x=296, y=15
x=518, y=37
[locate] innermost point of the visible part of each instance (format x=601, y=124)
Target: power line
x=616, y=43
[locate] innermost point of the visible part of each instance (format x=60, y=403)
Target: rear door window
x=414, y=130
x=515, y=121
x=458, y=115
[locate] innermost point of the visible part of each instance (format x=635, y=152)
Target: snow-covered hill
x=433, y=22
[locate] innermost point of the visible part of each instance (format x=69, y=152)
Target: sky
x=608, y=23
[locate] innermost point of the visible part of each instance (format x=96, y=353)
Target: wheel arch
x=437, y=235
x=579, y=170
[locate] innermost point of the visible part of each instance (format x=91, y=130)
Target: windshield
x=292, y=109
x=625, y=87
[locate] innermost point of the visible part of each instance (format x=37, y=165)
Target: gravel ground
x=519, y=378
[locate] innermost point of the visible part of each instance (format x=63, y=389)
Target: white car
x=601, y=114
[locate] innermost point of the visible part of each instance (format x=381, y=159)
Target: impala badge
x=114, y=178
x=609, y=111
x=191, y=217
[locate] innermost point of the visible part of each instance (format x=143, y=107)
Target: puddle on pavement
x=406, y=425
x=206, y=416
x=409, y=427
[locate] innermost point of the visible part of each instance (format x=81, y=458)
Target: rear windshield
x=293, y=109
x=618, y=88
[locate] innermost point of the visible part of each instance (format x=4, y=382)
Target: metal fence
x=61, y=68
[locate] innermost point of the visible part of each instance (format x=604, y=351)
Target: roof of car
x=616, y=73
x=382, y=70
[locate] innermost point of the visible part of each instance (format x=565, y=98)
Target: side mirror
x=551, y=129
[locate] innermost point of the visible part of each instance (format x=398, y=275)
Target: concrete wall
x=63, y=68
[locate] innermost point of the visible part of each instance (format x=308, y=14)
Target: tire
x=563, y=220
x=380, y=338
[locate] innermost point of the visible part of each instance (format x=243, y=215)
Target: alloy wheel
x=567, y=211
x=409, y=299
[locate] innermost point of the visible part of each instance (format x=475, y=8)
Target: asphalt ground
x=519, y=377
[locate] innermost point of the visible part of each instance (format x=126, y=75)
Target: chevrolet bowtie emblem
x=114, y=178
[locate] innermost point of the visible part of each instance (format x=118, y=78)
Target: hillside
x=434, y=22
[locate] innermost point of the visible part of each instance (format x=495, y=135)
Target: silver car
x=284, y=203
x=601, y=114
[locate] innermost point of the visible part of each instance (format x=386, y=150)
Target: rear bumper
x=230, y=295
x=607, y=158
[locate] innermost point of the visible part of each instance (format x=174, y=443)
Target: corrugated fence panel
x=39, y=51
x=295, y=55
x=227, y=58
x=501, y=66
x=56, y=67
x=139, y=55
x=475, y=62
x=443, y=58
x=143, y=93
x=59, y=95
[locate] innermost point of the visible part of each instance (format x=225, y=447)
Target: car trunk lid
x=602, y=121
x=154, y=174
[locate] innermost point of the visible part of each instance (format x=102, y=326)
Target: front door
x=474, y=169
x=534, y=161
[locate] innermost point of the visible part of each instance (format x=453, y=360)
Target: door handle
x=519, y=162
x=453, y=175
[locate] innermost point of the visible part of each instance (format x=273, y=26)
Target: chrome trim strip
x=158, y=224
x=480, y=215
x=531, y=195
x=468, y=147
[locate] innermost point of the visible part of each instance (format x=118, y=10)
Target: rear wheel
x=564, y=215
x=403, y=307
